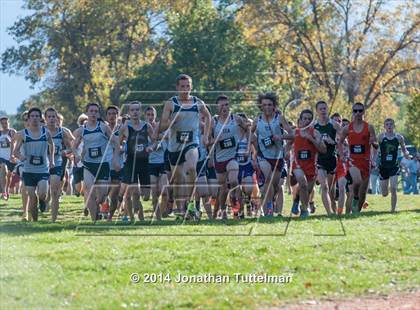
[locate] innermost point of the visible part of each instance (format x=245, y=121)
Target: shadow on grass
x=9, y=227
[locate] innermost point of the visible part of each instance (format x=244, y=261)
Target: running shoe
x=355, y=206
x=270, y=209
x=260, y=178
x=224, y=214
x=249, y=209
x=295, y=208
x=42, y=205
x=304, y=213
x=340, y=210
x=86, y=212
x=365, y=205
x=236, y=207
x=105, y=207
x=191, y=207
x=312, y=207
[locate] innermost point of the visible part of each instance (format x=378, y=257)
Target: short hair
x=183, y=77
x=319, y=103
x=50, y=109
x=336, y=114
x=112, y=107
x=150, y=108
x=35, y=109
x=221, y=97
x=345, y=120
x=60, y=116
x=242, y=115
x=92, y=104
x=389, y=120
x=270, y=96
x=125, y=118
x=306, y=111
x=81, y=119
x=359, y=103
x=135, y=102
x=24, y=114
x=3, y=117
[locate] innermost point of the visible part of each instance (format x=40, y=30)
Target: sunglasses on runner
x=358, y=110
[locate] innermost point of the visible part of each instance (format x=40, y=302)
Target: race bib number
x=227, y=143
x=5, y=144
x=241, y=158
x=389, y=157
x=357, y=149
x=36, y=160
x=304, y=155
x=95, y=152
x=139, y=147
x=184, y=136
x=267, y=142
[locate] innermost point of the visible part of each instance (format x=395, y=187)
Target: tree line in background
x=111, y=51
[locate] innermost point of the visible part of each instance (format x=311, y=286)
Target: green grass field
x=72, y=264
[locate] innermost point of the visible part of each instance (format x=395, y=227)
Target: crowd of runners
x=191, y=162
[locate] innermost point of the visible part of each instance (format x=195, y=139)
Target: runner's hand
x=21, y=157
x=328, y=140
x=116, y=164
x=305, y=134
x=277, y=138
x=155, y=136
x=255, y=165
x=205, y=140
x=13, y=159
x=76, y=159
x=373, y=164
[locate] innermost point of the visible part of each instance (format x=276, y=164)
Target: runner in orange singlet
x=306, y=145
x=361, y=136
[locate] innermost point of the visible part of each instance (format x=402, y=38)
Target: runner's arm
x=285, y=124
x=164, y=119
x=372, y=137
x=51, y=148
x=318, y=142
x=151, y=134
x=343, y=136
x=12, y=144
x=338, y=130
x=402, y=144
x=254, y=126
x=374, y=143
x=380, y=137
x=76, y=142
x=121, y=137
x=207, y=120
x=18, y=138
x=68, y=138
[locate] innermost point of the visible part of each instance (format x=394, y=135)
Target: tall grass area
x=73, y=264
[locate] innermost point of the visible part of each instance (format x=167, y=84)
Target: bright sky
x=13, y=89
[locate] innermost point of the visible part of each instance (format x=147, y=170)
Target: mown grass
x=72, y=264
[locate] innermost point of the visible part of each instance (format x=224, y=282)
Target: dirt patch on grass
x=406, y=301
